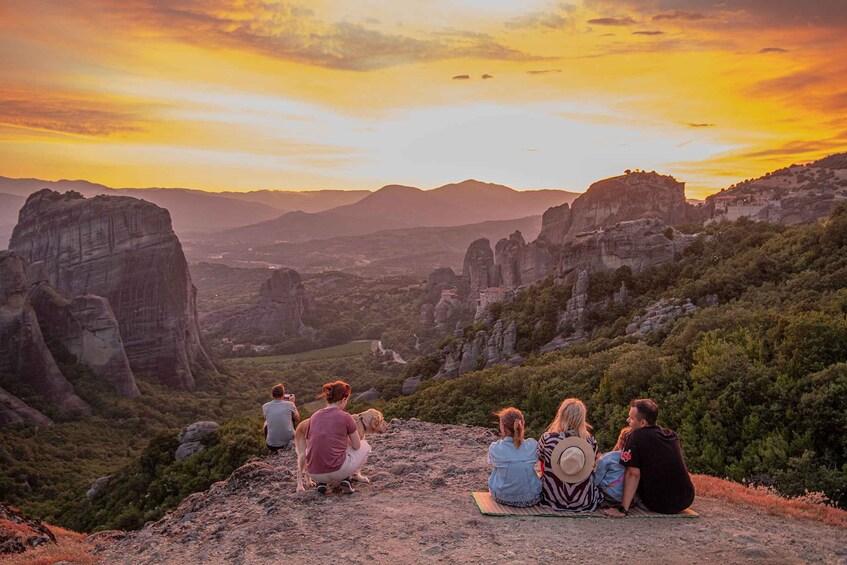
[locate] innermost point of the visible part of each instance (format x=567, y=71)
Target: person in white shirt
x=281, y=417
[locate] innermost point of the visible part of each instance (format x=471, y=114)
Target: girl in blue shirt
x=609, y=472
x=513, y=480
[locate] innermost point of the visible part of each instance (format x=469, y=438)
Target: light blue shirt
x=609, y=475
x=513, y=478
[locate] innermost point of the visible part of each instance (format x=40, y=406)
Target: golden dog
x=370, y=421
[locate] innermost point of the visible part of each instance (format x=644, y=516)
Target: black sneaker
x=346, y=487
x=321, y=488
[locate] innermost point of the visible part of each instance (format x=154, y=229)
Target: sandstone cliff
x=632, y=196
x=87, y=327
x=23, y=353
x=638, y=244
x=124, y=250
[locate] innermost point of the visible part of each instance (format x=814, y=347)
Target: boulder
x=98, y=487
x=191, y=438
x=23, y=353
x=123, y=249
x=410, y=385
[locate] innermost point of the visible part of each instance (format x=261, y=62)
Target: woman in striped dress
x=580, y=496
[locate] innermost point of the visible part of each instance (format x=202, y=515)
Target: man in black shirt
x=654, y=465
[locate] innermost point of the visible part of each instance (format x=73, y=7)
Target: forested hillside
x=755, y=380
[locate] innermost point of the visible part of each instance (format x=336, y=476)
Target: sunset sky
x=327, y=94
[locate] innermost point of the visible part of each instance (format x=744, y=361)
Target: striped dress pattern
x=577, y=497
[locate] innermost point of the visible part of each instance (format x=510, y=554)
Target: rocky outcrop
x=15, y=411
x=192, y=437
x=448, y=305
x=639, y=245
x=282, y=302
x=427, y=317
x=124, y=250
x=798, y=194
x=368, y=396
x=23, y=353
x=508, y=257
x=87, y=327
x=410, y=385
x=486, y=348
x=441, y=279
x=277, y=314
x=19, y=533
x=632, y=196
x=478, y=267
x=657, y=316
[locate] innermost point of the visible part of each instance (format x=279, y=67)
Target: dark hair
x=335, y=391
x=278, y=391
x=647, y=409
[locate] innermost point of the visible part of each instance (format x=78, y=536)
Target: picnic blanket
x=488, y=506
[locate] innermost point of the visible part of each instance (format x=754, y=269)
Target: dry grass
x=809, y=507
x=70, y=546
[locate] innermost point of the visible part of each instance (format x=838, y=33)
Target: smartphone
x=287, y=396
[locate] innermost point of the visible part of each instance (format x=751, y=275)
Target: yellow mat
x=488, y=506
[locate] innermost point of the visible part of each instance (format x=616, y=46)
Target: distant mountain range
x=269, y=216
x=395, y=207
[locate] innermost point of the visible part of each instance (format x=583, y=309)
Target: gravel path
x=418, y=509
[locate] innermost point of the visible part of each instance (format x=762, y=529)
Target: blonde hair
x=622, y=437
x=570, y=418
x=513, y=423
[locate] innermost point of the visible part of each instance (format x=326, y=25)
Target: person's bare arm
x=630, y=487
x=295, y=416
x=355, y=442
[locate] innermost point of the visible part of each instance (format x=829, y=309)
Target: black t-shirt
x=665, y=485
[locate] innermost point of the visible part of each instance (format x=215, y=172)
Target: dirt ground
x=418, y=509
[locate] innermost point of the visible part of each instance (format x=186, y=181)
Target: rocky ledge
x=418, y=509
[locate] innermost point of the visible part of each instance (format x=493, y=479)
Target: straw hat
x=572, y=460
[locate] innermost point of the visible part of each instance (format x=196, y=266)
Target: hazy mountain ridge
x=397, y=206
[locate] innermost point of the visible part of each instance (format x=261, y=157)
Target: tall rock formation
x=87, y=327
x=277, y=314
x=124, y=250
x=23, y=353
x=442, y=278
x=478, y=267
x=282, y=302
x=632, y=196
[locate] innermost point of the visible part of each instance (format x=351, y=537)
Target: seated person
x=567, y=452
x=609, y=472
x=281, y=416
x=334, y=451
x=513, y=480
x=655, y=468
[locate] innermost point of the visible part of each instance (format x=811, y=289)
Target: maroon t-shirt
x=326, y=441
